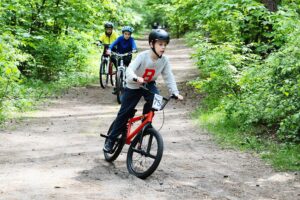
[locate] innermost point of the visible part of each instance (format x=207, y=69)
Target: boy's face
x=127, y=35
x=160, y=47
x=108, y=30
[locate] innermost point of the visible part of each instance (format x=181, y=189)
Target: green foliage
x=272, y=89
x=156, y=11
x=9, y=73
x=49, y=43
x=229, y=133
x=55, y=57
x=218, y=78
x=53, y=31
x=249, y=61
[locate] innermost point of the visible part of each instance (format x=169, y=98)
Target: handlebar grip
x=174, y=96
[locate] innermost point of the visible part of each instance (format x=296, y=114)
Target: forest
x=247, y=53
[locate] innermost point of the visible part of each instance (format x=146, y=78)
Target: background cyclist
x=123, y=44
x=108, y=36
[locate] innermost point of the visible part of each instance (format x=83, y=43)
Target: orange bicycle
x=146, y=143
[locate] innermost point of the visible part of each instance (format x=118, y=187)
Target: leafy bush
x=9, y=73
x=45, y=45
x=249, y=63
x=55, y=57
x=270, y=93
x=219, y=68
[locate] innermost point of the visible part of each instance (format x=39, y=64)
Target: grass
x=282, y=156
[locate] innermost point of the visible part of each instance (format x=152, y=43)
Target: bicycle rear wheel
x=118, y=146
x=119, y=85
x=103, y=75
x=145, y=153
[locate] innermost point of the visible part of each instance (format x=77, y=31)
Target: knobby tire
x=103, y=76
x=146, y=145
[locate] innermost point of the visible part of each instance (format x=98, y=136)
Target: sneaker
x=108, y=146
x=115, y=91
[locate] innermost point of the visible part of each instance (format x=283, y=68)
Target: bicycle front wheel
x=118, y=146
x=119, y=85
x=145, y=153
x=103, y=75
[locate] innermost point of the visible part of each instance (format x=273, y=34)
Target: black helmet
x=108, y=25
x=159, y=34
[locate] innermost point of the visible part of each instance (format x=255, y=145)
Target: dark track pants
x=130, y=99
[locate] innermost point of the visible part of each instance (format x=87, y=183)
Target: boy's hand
x=98, y=43
x=108, y=52
x=180, y=97
x=140, y=80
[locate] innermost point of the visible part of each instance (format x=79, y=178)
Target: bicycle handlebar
x=143, y=86
x=98, y=43
x=121, y=54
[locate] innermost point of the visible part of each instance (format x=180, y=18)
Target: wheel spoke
x=143, y=153
x=137, y=150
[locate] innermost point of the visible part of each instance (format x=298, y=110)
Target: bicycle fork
x=140, y=142
x=122, y=71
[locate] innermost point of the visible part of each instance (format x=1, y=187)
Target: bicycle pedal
x=102, y=135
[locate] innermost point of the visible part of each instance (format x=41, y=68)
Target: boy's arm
x=133, y=66
x=133, y=44
x=111, y=46
x=169, y=79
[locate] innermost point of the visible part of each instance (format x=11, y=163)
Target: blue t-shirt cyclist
x=123, y=44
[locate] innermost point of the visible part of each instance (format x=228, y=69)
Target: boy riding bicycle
x=144, y=69
x=123, y=44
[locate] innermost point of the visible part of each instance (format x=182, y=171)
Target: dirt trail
x=55, y=153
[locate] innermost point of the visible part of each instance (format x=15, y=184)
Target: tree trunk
x=56, y=27
x=35, y=16
x=271, y=5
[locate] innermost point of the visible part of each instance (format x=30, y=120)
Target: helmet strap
x=153, y=49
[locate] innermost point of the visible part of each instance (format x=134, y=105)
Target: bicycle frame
x=142, y=158
x=121, y=73
x=131, y=134
x=147, y=118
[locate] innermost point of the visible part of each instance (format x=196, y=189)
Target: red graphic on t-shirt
x=148, y=75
